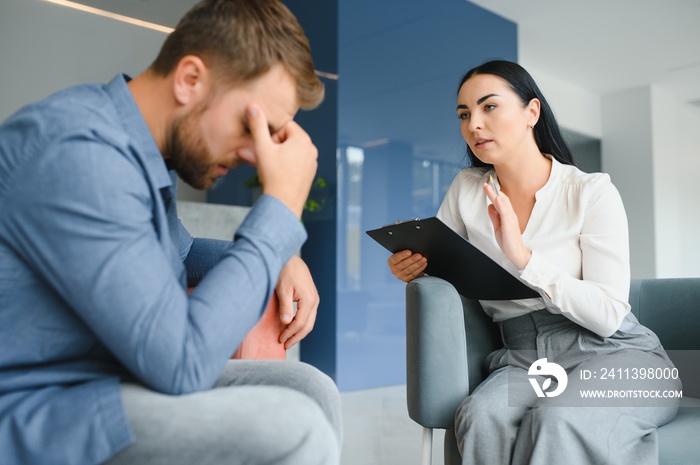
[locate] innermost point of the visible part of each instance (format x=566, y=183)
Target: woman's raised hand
x=507, y=228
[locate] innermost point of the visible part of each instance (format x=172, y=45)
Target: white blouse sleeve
x=598, y=301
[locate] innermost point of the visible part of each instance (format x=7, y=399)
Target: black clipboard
x=450, y=257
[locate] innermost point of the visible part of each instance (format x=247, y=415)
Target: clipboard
x=451, y=257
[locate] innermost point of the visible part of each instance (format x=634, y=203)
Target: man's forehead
x=273, y=92
x=277, y=118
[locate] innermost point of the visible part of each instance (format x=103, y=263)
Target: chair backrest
x=670, y=307
x=211, y=220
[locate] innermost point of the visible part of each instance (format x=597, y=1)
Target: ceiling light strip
x=327, y=75
x=138, y=22
x=108, y=14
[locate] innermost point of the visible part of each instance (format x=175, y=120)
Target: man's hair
x=239, y=40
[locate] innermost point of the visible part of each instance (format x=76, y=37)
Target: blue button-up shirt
x=93, y=272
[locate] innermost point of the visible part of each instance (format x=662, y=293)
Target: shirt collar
x=135, y=125
x=554, y=176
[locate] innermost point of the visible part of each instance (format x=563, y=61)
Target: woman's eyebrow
x=478, y=102
x=481, y=100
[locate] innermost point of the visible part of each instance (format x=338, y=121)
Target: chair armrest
x=436, y=352
x=447, y=340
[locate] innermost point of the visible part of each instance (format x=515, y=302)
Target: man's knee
x=323, y=390
x=299, y=432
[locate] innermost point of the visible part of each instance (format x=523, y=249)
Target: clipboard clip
x=400, y=221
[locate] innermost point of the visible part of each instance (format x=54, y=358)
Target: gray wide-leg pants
x=504, y=422
x=259, y=412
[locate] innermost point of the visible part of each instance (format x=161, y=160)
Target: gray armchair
x=448, y=338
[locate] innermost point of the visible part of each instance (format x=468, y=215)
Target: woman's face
x=493, y=121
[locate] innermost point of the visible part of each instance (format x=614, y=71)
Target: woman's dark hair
x=547, y=133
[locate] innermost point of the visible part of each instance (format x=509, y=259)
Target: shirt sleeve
x=202, y=256
x=598, y=301
x=84, y=220
x=198, y=254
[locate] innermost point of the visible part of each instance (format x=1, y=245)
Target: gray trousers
x=259, y=412
x=505, y=422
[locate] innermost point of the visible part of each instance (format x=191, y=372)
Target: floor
x=378, y=430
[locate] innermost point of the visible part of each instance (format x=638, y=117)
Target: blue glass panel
x=399, y=148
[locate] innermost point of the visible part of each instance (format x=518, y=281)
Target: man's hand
x=296, y=285
x=286, y=161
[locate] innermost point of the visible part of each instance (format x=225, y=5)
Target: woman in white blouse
x=564, y=233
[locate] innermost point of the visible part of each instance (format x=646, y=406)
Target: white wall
x=667, y=159
x=46, y=47
x=575, y=108
x=627, y=155
x=679, y=154
x=688, y=172
x=651, y=148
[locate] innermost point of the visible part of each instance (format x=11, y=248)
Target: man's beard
x=187, y=151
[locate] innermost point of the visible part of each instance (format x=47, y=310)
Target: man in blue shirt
x=106, y=359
